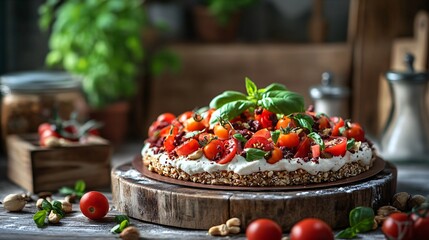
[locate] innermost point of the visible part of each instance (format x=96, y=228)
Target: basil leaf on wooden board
x=362, y=219
x=318, y=140
x=39, y=218
x=58, y=208
x=346, y=233
x=230, y=110
x=120, y=218
x=226, y=97
x=253, y=154
x=66, y=191
x=46, y=205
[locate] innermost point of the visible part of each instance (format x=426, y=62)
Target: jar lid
x=410, y=76
x=327, y=89
x=39, y=82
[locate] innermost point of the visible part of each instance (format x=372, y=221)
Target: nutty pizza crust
x=257, y=179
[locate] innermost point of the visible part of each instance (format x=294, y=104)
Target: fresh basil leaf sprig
x=317, y=139
x=253, y=154
x=40, y=216
x=361, y=220
x=275, y=98
x=78, y=190
x=122, y=222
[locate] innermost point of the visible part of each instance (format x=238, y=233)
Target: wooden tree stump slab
x=195, y=208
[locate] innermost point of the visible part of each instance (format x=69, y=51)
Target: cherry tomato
x=303, y=148
x=266, y=118
x=206, y=137
x=289, y=140
x=94, y=205
x=262, y=133
x=169, y=143
x=222, y=132
x=192, y=125
x=311, y=228
x=230, y=146
x=94, y=132
x=262, y=229
x=43, y=127
x=260, y=143
x=336, y=146
x=166, y=117
x=47, y=134
x=207, y=116
x=323, y=122
x=184, y=116
x=398, y=226
x=421, y=226
x=276, y=155
x=354, y=131
x=285, y=122
x=187, y=147
x=214, y=150
x=170, y=129
x=315, y=151
x=338, y=123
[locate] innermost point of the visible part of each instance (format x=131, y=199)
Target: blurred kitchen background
x=286, y=41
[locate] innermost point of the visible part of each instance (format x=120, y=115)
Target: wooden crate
x=47, y=169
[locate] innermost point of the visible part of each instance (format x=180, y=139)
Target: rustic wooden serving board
x=196, y=208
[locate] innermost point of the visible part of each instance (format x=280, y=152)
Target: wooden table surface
x=411, y=178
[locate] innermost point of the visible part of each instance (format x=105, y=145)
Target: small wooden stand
x=38, y=168
x=196, y=208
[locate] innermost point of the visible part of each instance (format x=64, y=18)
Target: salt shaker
x=405, y=136
x=329, y=98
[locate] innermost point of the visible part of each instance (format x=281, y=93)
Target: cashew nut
x=232, y=226
x=53, y=217
x=14, y=202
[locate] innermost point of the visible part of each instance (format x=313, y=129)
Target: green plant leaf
x=275, y=87
x=251, y=88
x=120, y=218
x=66, y=191
x=304, y=121
x=80, y=186
x=282, y=102
x=350, y=143
x=39, y=218
x=346, y=233
x=226, y=97
x=58, y=209
x=120, y=227
x=317, y=139
x=275, y=136
x=362, y=219
x=47, y=206
x=253, y=154
x=240, y=138
x=231, y=110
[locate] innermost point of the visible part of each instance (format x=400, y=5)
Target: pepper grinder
x=329, y=98
x=405, y=137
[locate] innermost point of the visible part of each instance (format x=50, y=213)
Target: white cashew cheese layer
x=240, y=166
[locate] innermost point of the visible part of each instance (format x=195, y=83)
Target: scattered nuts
x=66, y=206
x=27, y=197
x=233, y=222
x=400, y=200
x=130, y=233
x=70, y=198
x=39, y=203
x=232, y=226
x=220, y=230
x=44, y=194
x=416, y=201
x=384, y=212
x=196, y=155
x=14, y=202
x=53, y=217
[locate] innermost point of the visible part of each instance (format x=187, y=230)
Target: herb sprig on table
x=361, y=220
x=78, y=190
x=275, y=98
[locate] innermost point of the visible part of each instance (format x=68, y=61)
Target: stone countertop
x=411, y=178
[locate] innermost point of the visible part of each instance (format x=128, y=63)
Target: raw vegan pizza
x=262, y=138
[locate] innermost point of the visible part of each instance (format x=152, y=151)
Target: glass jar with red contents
x=31, y=98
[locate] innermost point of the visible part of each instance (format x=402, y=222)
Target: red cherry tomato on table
x=262, y=229
x=420, y=227
x=43, y=127
x=310, y=229
x=398, y=226
x=337, y=146
x=94, y=205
